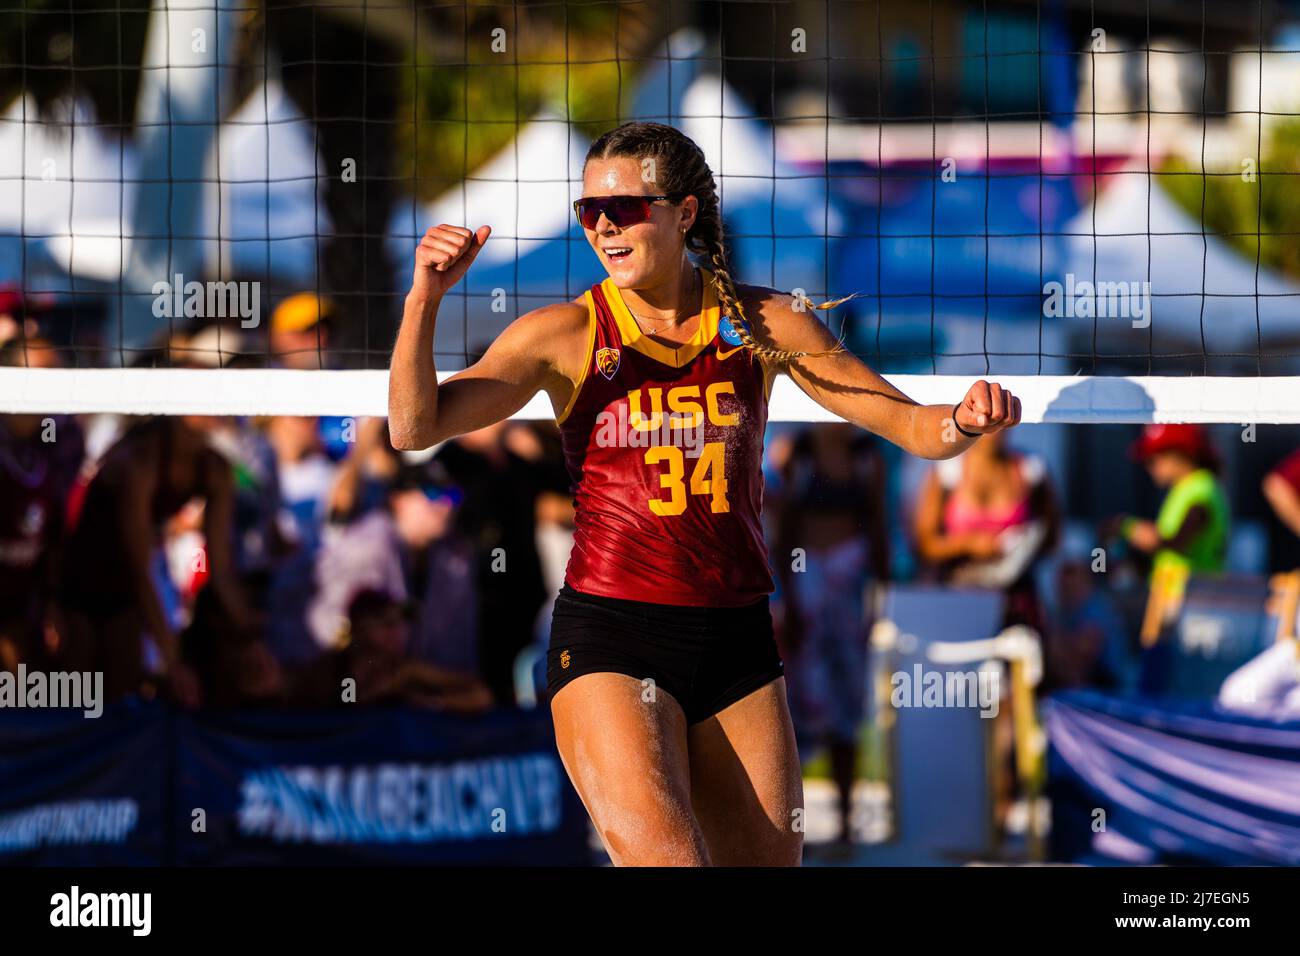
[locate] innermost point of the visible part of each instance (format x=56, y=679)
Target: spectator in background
x=1269, y=683
x=107, y=590
x=306, y=478
x=832, y=508
x=437, y=566
x=1190, y=533
x=555, y=527
x=984, y=518
x=364, y=475
x=1087, y=644
x=374, y=654
x=301, y=335
x=252, y=459
x=16, y=322
x=381, y=549
x=1281, y=488
x=502, y=473
x=442, y=579
x=231, y=660
x=300, y=332
x=1266, y=685
x=39, y=457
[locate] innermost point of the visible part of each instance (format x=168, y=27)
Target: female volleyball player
x=667, y=691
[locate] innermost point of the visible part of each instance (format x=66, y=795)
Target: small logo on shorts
x=607, y=362
x=564, y=660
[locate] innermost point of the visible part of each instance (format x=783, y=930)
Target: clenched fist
x=987, y=407
x=443, y=255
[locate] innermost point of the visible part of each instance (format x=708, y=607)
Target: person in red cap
x=19, y=312
x=1190, y=533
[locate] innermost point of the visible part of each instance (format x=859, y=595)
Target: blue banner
x=146, y=785
x=376, y=787
x=1136, y=780
x=76, y=791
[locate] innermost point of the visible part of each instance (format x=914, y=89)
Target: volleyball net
x=210, y=206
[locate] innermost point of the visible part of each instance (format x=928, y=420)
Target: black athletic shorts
x=707, y=658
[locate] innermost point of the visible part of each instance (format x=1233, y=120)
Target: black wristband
x=958, y=426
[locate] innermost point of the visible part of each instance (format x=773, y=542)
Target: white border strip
x=1045, y=398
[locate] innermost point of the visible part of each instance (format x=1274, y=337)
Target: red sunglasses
x=622, y=211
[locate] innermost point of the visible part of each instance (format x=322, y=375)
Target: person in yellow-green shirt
x=1190, y=533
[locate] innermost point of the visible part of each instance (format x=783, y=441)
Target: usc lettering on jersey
x=664, y=446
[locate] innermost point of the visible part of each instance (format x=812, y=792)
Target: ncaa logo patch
x=728, y=331
x=607, y=362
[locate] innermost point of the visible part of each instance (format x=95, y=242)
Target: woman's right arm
x=515, y=367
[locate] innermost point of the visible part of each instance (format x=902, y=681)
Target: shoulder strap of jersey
x=604, y=314
x=607, y=333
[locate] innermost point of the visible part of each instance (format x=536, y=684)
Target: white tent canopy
x=67, y=190
x=763, y=195
x=1138, y=234
x=59, y=179
x=523, y=192
x=267, y=211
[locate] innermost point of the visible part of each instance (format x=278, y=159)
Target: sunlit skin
x=726, y=790
x=301, y=349
x=991, y=478
x=655, y=278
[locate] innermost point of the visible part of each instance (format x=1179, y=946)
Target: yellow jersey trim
x=586, y=365
x=769, y=379
x=634, y=338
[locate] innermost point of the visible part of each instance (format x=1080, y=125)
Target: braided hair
x=678, y=168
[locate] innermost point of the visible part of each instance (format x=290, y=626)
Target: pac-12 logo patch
x=607, y=362
x=728, y=331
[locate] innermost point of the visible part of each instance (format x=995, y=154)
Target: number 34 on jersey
x=708, y=472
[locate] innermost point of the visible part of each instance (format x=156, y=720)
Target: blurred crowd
x=991, y=519
x=277, y=561
x=287, y=561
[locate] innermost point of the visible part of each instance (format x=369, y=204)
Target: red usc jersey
x=664, y=446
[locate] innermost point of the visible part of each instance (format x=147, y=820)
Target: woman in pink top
x=982, y=520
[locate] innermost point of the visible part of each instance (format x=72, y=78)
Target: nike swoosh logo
x=723, y=356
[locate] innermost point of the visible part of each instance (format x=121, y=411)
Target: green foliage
x=1257, y=215
x=454, y=116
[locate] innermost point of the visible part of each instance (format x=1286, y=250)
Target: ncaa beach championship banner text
x=151, y=786
x=78, y=792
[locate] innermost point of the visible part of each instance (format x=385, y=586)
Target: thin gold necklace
x=641, y=322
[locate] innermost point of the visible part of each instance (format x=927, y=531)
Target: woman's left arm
x=843, y=384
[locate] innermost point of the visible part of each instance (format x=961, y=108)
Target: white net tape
x=1045, y=398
